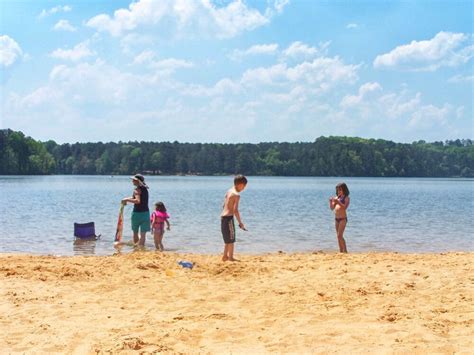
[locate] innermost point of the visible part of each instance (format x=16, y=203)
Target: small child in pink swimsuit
x=158, y=219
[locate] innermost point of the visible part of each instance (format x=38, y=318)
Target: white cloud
x=279, y=5
x=323, y=72
x=144, y=57
x=265, y=75
x=235, y=18
x=224, y=86
x=397, y=105
x=429, y=117
x=55, y=10
x=283, y=101
x=444, y=49
x=41, y=96
x=64, y=25
x=281, y=83
x=120, y=102
x=364, y=91
x=263, y=49
x=460, y=112
x=461, y=79
x=116, y=101
x=400, y=114
x=300, y=50
x=171, y=64
x=352, y=26
x=297, y=51
x=164, y=66
x=75, y=54
x=204, y=16
x=10, y=51
x=93, y=83
x=141, y=12
x=132, y=42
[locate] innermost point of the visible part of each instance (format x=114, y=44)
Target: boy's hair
x=344, y=188
x=240, y=179
x=160, y=206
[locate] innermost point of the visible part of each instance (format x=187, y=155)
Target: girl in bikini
x=340, y=204
x=158, y=219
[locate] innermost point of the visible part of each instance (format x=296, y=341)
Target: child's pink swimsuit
x=160, y=218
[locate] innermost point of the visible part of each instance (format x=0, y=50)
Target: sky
x=230, y=71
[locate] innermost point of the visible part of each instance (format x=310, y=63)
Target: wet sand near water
x=145, y=302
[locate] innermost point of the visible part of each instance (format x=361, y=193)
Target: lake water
x=281, y=213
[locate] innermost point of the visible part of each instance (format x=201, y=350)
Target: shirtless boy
x=231, y=209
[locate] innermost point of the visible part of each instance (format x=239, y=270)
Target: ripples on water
x=282, y=213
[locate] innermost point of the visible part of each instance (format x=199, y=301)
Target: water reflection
x=84, y=246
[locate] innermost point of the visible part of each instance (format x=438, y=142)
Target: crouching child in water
x=231, y=209
x=158, y=219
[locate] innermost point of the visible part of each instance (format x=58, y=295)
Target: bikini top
x=342, y=199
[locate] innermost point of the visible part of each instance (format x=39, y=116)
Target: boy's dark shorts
x=228, y=229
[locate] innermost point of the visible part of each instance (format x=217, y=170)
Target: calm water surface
x=282, y=213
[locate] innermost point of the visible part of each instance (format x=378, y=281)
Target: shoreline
x=152, y=251
x=276, y=302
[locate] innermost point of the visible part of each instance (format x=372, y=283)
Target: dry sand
x=280, y=303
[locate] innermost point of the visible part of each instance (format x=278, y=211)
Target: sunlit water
x=281, y=213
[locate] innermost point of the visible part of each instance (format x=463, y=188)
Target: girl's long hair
x=160, y=206
x=344, y=188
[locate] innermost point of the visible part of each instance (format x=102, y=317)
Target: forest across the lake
x=326, y=156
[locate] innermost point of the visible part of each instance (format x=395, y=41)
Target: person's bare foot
x=232, y=259
x=225, y=258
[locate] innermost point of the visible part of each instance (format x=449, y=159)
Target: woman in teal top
x=141, y=213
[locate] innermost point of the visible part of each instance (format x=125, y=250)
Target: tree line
x=326, y=156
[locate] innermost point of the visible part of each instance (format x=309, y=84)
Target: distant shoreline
x=258, y=176
x=326, y=156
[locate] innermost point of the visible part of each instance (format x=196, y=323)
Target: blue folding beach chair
x=85, y=231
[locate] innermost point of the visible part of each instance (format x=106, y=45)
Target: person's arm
x=135, y=199
x=344, y=205
x=332, y=205
x=167, y=224
x=152, y=222
x=237, y=213
x=348, y=201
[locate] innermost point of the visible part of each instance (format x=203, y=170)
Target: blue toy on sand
x=186, y=264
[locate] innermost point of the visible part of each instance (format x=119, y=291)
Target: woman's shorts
x=228, y=229
x=141, y=221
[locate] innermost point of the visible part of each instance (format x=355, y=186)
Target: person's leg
x=142, y=238
x=340, y=235
x=230, y=252
x=156, y=238
x=160, y=240
x=337, y=235
x=226, y=236
x=226, y=248
x=144, y=227
x=135, y=227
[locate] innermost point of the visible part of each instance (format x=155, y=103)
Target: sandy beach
x=278, y=303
